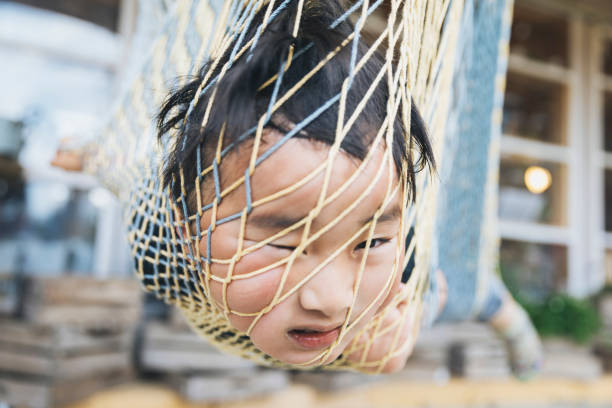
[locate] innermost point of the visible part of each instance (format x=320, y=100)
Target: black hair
x=239, y=101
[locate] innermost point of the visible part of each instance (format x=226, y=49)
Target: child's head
x=295, y=239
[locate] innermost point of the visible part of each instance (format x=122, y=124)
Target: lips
x=314, y=339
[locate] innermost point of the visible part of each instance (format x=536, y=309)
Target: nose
x=329, y=292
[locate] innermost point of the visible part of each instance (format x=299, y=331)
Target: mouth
x=311, y=339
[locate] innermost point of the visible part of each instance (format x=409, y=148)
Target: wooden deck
x=545, y=393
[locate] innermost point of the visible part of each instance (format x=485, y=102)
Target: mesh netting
x=246, y=174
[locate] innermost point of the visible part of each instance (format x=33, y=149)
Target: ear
x=181, y=227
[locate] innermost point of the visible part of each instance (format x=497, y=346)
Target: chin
x=303, y=357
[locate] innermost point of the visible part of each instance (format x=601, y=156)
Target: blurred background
x=75, y=328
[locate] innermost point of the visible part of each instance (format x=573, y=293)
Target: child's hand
x=67, y=158
x=387, y=341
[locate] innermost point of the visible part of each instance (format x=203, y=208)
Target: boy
x=238, y=275
x=294, y=220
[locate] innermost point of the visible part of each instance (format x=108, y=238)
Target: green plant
x=564, y=316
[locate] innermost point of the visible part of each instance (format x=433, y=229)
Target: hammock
x=420, y=37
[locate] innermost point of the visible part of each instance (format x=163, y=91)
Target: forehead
x=293, y=177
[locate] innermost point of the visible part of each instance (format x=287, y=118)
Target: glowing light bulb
x=537, y=179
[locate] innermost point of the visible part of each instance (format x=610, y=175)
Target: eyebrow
x=391, y=214
x=274, y=221
x=280, y=221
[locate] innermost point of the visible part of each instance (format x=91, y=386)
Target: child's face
x=321, y=304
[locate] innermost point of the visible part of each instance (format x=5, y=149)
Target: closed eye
x=284, y=247
x=374, y=243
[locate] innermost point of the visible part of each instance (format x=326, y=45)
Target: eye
x=283, y=247
x=374, y=243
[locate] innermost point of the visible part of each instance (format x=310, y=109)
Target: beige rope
x=416, y=49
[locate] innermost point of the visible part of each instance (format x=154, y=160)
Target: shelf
x=512, y=144
x=538, y=70
x=536, y=233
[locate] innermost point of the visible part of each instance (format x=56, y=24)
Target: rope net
x=179, y=216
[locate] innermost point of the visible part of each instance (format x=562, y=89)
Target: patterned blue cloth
x=465, y=225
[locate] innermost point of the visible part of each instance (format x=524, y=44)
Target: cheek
x=248, y=295
x=244, y=295
x=375, y=281
x=397, y=281
x=269, y=335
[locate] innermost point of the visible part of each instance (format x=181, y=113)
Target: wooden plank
x=235, y=386
x=177, y=320
x=78, y=301
x=61, y=368
x=576, y=367
x=564, y=359
x=9, y=294
x=45, y=339
x=35, y=336
x=423, y=370
x=85, y=316
x=83, y=290
x=71, y=391
x=487, y=373
x=162, y=336
x=73, y=342
x=180, y=361
x=328, y=381
x=168, y=349
x=26, y=364
x=93, y=365
x=20, y=393
x=33, y=393
x=485, y=351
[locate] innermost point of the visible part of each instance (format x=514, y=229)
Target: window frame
x=582, y=154
x=600, y=159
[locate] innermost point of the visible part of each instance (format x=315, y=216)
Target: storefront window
x=608, y=266
x=532, y=191
x=533, y=109
x=533, y=271
x=607, y=58
x=607, y=121
x=540, y=36
x=608, y=198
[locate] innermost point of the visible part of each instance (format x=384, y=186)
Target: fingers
x=69, y=160
x=405, y=345
x=387, y=344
